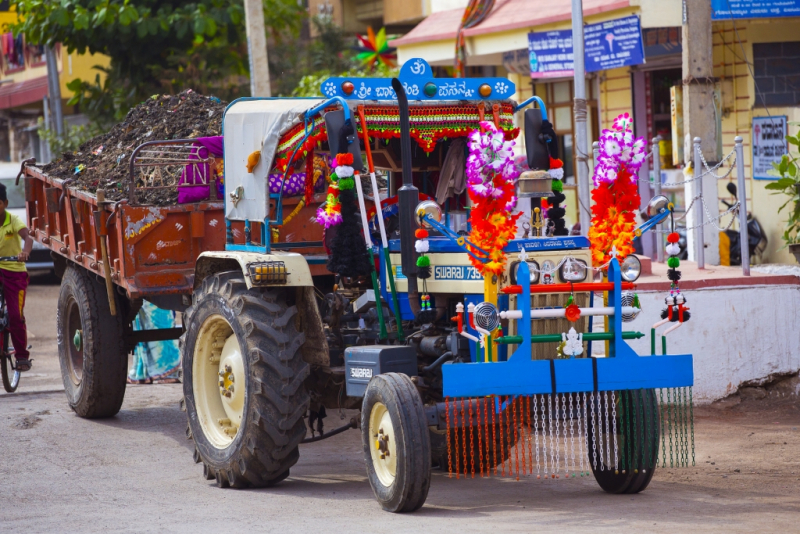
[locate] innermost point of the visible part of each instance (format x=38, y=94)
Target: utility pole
x=581, y=144
x=54, y=90
x=257, y=48
x=700, y=120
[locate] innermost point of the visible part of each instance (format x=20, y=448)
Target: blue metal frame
x=416, y=75
x=622, y=369
x=651, y=222
x=531, y=100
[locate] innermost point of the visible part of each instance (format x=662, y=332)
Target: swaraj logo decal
x=456, y=272
x=360, y=372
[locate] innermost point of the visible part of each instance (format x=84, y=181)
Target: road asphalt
x=134, y=473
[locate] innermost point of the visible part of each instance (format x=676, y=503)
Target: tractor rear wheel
x=243, y=381
x=91, y=348
x=397, y=449
x=637, y=444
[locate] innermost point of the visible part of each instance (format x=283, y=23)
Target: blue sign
x=608, y=45
x=753, y=9
x=548, y=243
x=417, y=79
x=550, y=54
x=613, y=44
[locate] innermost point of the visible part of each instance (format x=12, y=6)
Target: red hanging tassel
x=456, y=450
x=480, y=437
x=464, y=436
x=309, y=185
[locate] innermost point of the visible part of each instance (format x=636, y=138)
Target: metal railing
x=160, y=165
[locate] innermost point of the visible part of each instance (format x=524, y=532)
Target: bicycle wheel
x=10, y=374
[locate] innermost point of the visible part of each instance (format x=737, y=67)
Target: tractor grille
x=547, y=351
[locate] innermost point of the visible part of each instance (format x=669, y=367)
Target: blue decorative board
x=420, y=85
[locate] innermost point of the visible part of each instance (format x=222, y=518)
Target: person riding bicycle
x=14, y=277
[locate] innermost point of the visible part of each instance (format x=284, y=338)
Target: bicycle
x=7, y=360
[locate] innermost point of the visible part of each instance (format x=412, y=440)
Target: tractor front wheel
x=397, y=448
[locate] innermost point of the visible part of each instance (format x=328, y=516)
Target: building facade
x=24, y=90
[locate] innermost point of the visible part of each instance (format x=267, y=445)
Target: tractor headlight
x=532, y=266
x=631, y=268
x=573, y=271
x=267, y=273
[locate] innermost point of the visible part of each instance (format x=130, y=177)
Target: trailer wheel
x=638, y=436
x=397, y=449
x=91, y=349
x=243, y=382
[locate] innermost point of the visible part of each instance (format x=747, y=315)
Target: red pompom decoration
x=673, y=237
x=344, y=159
x=421, y=233
x=556, y=163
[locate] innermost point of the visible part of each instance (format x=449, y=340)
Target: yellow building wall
x=70, y=66
x=615, y=95
x=740, y=106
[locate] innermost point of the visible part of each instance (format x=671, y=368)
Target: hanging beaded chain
x=536, y=434
x=584, y=453
x=572, y=433
x=550, y=432
x=614, y=430
x=594, y=435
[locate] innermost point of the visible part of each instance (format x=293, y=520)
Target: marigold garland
x=490, y=175
x=616, y=197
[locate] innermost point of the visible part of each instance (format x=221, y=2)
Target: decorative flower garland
x=428, y=125
x=330, y=212
x=490, y=181
x=616, y=194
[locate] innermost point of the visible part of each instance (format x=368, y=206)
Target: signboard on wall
x=753, y=9
x=769, y=145
x=608, y=45
x=517, y=61
x=550, y=54
x=662, y=41
x=613, y=44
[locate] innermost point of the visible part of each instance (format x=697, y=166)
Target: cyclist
x=14, y=277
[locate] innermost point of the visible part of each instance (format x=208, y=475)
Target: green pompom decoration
x=423, y=261
x=558, y=186
x=673, y=262
x=346, y=183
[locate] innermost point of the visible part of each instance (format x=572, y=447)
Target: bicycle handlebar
x=10, y=258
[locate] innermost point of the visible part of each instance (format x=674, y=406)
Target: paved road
x=134, y=472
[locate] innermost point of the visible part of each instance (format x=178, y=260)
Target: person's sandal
x=24, y=365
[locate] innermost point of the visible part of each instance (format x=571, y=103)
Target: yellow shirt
x=11, y=243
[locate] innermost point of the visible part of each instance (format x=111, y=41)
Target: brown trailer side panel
x=152, y=250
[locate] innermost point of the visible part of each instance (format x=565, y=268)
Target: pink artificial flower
x=623, y=122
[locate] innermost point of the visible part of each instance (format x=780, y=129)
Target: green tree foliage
x=789, y=187
x=154, y=45
x=330, y=53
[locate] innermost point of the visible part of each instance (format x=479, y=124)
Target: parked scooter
x=729, y=248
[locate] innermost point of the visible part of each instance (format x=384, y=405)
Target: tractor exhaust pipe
x=408, y=198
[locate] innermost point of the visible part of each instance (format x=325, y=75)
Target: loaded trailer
x=469, y=358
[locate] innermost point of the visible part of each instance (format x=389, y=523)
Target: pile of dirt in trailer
x=104, y=161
